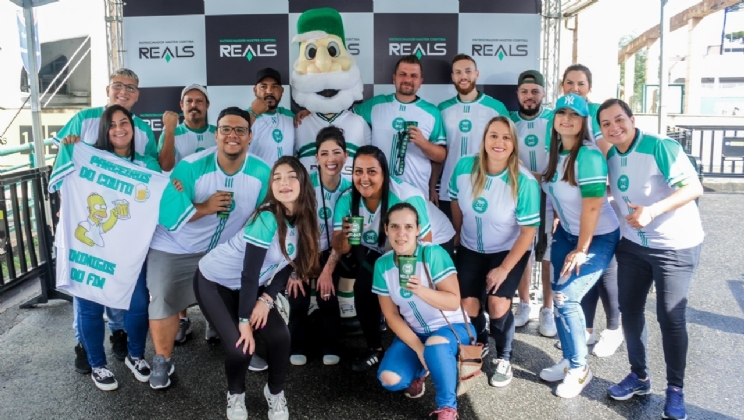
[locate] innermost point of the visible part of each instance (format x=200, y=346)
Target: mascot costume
x=326, y=81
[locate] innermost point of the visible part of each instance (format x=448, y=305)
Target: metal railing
x=719, y=149
x=25, y=148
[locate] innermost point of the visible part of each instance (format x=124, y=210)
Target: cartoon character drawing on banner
x=90, y=231
x=325, y=78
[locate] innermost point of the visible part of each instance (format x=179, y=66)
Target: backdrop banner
x=221, y=44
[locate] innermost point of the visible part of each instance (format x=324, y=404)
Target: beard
x=465, y=91
x=273, y=98
x=529, y=112
x=315, y=92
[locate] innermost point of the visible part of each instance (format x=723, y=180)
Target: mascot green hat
x=319, y=23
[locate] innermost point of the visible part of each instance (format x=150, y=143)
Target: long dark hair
x=569, y=169
x=104, y=142
x=356, y=197
x=306, y=263
x=578, y=67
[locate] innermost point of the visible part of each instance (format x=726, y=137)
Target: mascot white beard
x=315, y=91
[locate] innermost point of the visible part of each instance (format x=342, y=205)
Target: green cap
x=319, y=23
x=531, y=76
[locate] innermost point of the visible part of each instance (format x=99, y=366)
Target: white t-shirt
x=419, y=315
x=441, y=227
x=651, y=170
x=465, y=123
x=356, y=133
x=387, y=117
x=591, y=175
x=325, y=213
x=188, y=141
x=273, y=136
x=491, y=221
x=224, y=264
x=201, y=176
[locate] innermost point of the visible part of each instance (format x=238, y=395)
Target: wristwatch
x=267, y=302
x=244, y=321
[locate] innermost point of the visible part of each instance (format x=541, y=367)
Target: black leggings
x=605, y=289
x=366, y=303
x=220, y=307
x=298, y=318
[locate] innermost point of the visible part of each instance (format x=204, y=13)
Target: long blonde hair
x=478, y=176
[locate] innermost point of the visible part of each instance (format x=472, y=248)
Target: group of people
x=268, y=203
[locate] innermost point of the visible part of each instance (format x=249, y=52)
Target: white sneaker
x=331, y=359
x=591, y=339
x=547, y=323
x=236, y=409
x=556, y=372
x=608, y=343
x=298, y=359
x=522, y=314
x=575, y=381
x=277, y=405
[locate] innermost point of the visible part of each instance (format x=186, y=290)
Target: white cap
x=195, y=86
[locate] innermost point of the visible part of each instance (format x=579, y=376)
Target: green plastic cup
x=225, y=214
x=406, y=268
x=357, y=226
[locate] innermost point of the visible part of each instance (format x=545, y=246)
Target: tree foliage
x=639, y=73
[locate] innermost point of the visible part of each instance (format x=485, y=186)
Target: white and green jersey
x=386, y=115
x=534, y=137
x=465, y=123
x=419, y=315
x=273, y=135
x=188, y=141
x=441, y=227
x=326, y=204
x=651, y=170
x=86, y=123
x=595, y=131
x=224, y=264
x=400, y=191
x=491, y=221
x=591, y=175
x=356, y=133
x=201, y=177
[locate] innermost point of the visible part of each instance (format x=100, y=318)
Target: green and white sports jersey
x=441, y=227
x=534, y=137
x=464, y=124
x=188, y=141
x=491, y=221
x=224, y=264
x=651, y=170
x=595, y=131
x=86, y=123
x=386, y=115
x=419, y=315
x=356, y=133
x=326, y=204
x=273, y=135
x=400, y=191
x=201, y=177
x=591, y=175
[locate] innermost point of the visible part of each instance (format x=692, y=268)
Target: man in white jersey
x=273, y=125
x=122, y=90
x=465, y=119
x=388, y=116
x=221, y=187
x=534, y=124
x=193, y=135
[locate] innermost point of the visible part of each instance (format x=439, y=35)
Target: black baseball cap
x=531, y=76
x=268, y=72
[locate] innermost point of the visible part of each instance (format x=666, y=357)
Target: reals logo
x=165, y=50
x=353, y=46
x=417, y=46
x=248, y=48
x=155, y=121
x=501, y=48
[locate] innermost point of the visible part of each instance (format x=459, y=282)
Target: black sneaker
x=139, y=368
x=369, y=359
x=118, y=341
x=81, y=360
x=104, y=379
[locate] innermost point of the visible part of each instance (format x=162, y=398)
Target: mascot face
x=325, y=77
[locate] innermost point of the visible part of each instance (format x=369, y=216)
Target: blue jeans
x=115, y=317
x=92, y=331
x=440, y=358
x=568, y=292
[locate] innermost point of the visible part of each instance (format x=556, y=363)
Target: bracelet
x=269, y=304
x=244, y=321
x=250, y=111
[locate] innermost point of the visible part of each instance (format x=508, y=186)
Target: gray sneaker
x=277, y=405
x=258, y=364
x=184, y=331
x=161, y=372
x=236, y=409
x=503, y=374
x=210, y=334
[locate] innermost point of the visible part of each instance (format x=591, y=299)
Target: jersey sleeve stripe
x=60, y=173
x=529, y=220
x=426, y=229
x=257, y=242
x=444, y=274
x=190, y=211
x=592, y=180
x=680, y=178
x=380, y=291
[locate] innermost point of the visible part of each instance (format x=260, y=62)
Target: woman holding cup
x=417, y=287
x=358, y=223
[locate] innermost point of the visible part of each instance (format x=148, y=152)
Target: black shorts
x=473, y=267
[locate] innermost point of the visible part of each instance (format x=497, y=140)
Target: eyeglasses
x=120, y=86
x=225, y=130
